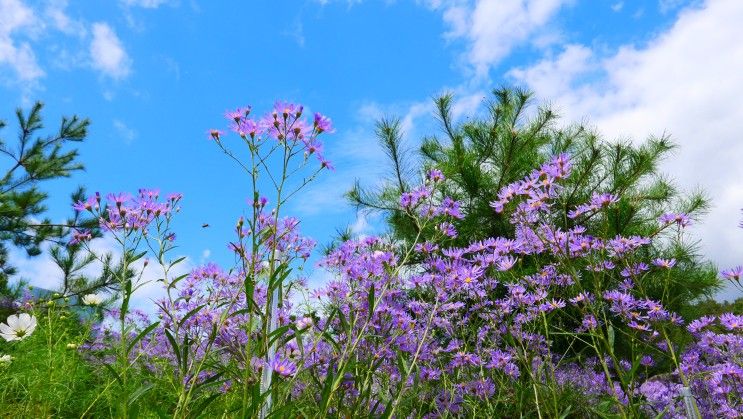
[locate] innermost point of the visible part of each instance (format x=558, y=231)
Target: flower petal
x=5, y=329
x=12, y=321
x=24, y=319
x=32, y=323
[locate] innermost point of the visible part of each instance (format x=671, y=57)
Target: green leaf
x=203, y=404
x=177, y=261
x=139, y=393
x=276, y=334
x=326, y=391
x=113, y=371
x=370, y=301
x=610, y=333
x=174, y=345
x=141, y=335
x=189, y=314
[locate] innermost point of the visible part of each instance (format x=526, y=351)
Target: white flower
x=19, y=327
x=5, y=359
x=92, y=299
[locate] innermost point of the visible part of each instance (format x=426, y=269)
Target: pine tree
x=481, y=155
x=33, y=160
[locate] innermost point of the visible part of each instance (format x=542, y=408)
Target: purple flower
x=589, y=323
x=322, y=123
x=80, y=236
x=664, y=263
x=697, y=325
x=603, y=200
x=430, y=374
x=283, y=367
x=435, y=175
x=731, y=322
x=463, y=359
x=733, y=274
x=448, y=229
x=237, y=114
x=682, y=220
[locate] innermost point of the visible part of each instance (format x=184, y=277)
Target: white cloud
x=296, y=32
x=205, y=254
x=685, y=82
x=493, y=28
x=126, y=133
x=107, y=52
x=147, y=4
x=617, y=6
x=666, y=6
x=56, y=13
x=16, y=17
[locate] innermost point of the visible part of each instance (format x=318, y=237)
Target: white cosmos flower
x=92, y=299
x=18, y=327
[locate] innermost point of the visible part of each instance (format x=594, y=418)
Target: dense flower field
x=546, y=322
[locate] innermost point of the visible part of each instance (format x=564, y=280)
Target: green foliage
x=485, y=153
x=46, y=376
x=34, y=159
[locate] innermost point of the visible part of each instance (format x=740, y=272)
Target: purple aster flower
x=731, y=322
x=664, y=263
x=88, y=205
x=682, y=220
x=326, y=164
x=506, y=263
x=435, y=175
x=79, y=236
x=283, y=367
x=430, y=374
x=603, y=200
x=589, y=323
x=733, y=274
x=322, y=123
x=463, y=359
x=237, y=114
x=448, y=229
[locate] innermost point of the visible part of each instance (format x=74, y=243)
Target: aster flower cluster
x=466, y=330
x=124, y=213
x=459, y=325
x=286, y=123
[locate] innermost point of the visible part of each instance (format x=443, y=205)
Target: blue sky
x=154, y=75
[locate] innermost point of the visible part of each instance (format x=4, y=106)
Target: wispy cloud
x=296, y=32
x=147, y=4
x=107, y=52
x=124, y=132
